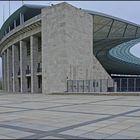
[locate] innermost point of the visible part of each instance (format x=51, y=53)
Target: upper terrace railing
x=18, y=28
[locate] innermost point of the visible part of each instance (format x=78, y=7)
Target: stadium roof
x=28, y=10
x=112, y=39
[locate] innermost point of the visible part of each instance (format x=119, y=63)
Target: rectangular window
x=93, y=84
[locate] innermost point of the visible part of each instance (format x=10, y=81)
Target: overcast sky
x=128, y=10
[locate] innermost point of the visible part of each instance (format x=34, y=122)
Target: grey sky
x=128, y=10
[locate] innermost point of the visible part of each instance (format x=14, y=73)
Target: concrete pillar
x=5, y=70
x=127, y=84
x=23, y=66
x=9, y=70
x=15, y=24
x=120, y=84
x=15, y=63
x=9, y=29
x=34, y=61
x=134, y=84
x=7, y=55
x=21, y=18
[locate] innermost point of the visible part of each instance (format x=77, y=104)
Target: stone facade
x=15, y=64
x=67, y=44
x=60, y=42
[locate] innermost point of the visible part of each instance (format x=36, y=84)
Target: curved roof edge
x=122, y=52
x=26, y=7
x=110, y=16
x=15, y=15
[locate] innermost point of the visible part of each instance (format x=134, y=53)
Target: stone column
x=15, y=24
x=15, y=63
x=5, y=70
x=9, y=70
x=23, y=56
x=21, y=18
x=34, y=60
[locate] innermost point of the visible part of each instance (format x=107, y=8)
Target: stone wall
x=67, y=47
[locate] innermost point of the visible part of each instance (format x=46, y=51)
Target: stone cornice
x=25, y=27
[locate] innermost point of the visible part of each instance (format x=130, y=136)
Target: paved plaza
x=38, y=116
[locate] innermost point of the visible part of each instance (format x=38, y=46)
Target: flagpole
x=22, y=3
x=9, y=7
x=3, y=13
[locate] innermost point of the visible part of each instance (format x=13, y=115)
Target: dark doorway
x=29, y=84
x=40, y=83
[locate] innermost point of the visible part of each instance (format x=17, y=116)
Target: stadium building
x=61, y=48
